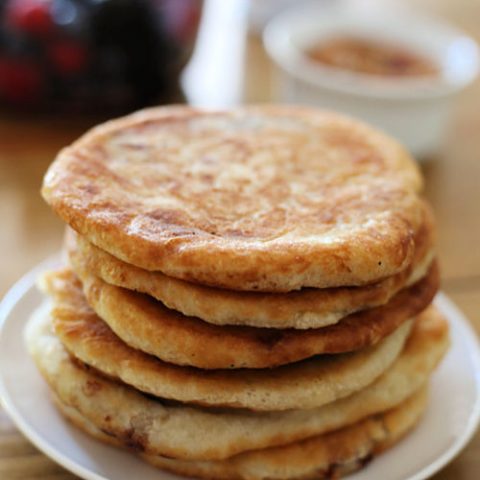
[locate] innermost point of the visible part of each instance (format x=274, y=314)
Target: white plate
x=451, y=419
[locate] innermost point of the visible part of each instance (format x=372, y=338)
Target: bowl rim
x=296, y=64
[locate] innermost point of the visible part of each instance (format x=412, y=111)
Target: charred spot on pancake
x=364, y=461
x=78, y=363
x=270, y=337
x=91, y=189
x=332, y=472
x=134, y=440
x=91, y=387
x=167, y=216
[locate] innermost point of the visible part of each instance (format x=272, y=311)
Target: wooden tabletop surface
x=30, y=232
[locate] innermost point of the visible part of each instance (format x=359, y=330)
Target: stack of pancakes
x=247, y=293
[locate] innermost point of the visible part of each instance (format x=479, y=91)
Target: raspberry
x=68, y=57
x=31, y=16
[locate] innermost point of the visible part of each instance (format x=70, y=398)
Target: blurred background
x=410, y=67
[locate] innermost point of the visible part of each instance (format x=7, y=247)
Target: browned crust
x=274, y=199
x=184, y=432
x=328, y=456
x=307, y=384
x=146, y=324
x=302, y=385
x=305, y=308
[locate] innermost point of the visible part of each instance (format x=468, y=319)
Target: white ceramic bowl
x=415, y=111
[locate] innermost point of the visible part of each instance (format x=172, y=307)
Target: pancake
x=269, y=198
x=305, y=308
x=145, y=324
x=322, y=457
x=180, y=431
x=329, y=456
x=306, y=384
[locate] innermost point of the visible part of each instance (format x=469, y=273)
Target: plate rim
x=8, y=302
x=470, y=337
x=15, y=294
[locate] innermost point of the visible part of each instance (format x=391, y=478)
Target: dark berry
x=68, y=57
x=21, y=80
x=31, y=16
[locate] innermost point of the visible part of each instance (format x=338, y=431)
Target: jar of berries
x=94, y=56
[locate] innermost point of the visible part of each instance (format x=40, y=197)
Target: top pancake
x=257, y=198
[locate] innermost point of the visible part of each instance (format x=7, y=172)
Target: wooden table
x=29, y=231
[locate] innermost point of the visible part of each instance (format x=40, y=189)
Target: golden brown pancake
x=181, y=431
x=270, y=198
x=144, y=323
x=325, y=456
x=86, y=337
x=305, y=308
x=306, y=384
